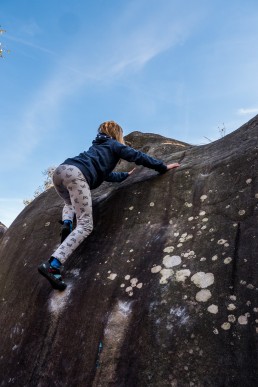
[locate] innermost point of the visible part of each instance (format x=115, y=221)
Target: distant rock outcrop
x=3, y=229
x=162, y=293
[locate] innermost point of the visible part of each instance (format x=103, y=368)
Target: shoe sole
x=55, y=283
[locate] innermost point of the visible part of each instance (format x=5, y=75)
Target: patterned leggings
x=72, y=186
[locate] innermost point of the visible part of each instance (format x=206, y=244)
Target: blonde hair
x=112, y=129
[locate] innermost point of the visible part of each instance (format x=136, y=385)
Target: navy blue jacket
x=98, y=162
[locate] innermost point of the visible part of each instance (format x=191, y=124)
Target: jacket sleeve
x=129, y=154
x=117, y=177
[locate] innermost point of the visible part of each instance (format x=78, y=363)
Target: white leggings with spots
x=72, y=186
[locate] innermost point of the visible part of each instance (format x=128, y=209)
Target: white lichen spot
x=221, y=241
x=181, y=275
x=112, y=276
x=202, y=213
x=24, y=225
x=250, y=286
x=131, y=208
x=214, y=258
x=122, y=285
x=188, y=204
x=176, y=234
x=205, y=220
x=203, y=280
x=203, y=197
x=128, y=289
x=242, y=320
x=232, y=298
x=227, y=260
x=156, y=269
x=166, y=274
x=134, y=282
x=169, y=249
x=226, y=326
x=213, y=309
x=226, y=245
x=231, y=318
x=256, y=196
x=171, y=221
x=171, y=261
x=190, y=218
x=241, y=212
x=215, y=331
x=248, y=181
x=152, y=204
x=179, y=245
x=131, y=251
x=203, y=259
x=231, y=307
x=255, y=310
x=47, y=224
x=127, y=277
x=203, y=295
x=139, y=285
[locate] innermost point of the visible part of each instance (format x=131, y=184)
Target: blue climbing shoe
x=52, y=274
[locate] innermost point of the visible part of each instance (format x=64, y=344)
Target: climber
x=74, y=179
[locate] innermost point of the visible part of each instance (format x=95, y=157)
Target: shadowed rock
x=162, y=293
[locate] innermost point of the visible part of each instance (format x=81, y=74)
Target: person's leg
x=59, y=178
x=71, y=185
x=80, y=196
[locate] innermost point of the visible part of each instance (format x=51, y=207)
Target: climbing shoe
x=66, y=229
x=52, y=274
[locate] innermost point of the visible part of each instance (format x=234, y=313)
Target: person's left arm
x=118, y=177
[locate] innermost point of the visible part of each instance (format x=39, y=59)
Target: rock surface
x=162, y=293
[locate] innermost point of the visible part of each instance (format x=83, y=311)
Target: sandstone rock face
x=162, y=293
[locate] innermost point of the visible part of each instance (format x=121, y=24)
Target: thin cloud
x=243, y=112
x=122, y=54
x=30, y=44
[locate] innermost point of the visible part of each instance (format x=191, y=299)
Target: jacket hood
x=101, y=137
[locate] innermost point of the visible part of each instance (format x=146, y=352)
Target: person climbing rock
x=73, y=181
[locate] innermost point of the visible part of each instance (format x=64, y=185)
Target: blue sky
x=177, y=68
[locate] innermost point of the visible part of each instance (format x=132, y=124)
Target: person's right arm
x=132, y=155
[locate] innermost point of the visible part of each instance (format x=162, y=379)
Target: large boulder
x=162, y=293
